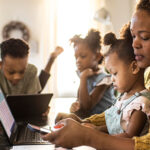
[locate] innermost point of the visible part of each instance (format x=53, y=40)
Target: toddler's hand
x=75, y=107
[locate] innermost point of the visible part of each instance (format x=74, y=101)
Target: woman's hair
x=16, y=48
x=143, y=5
x=122, y=46
x=92, y=40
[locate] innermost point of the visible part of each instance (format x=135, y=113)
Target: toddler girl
x=128, y=116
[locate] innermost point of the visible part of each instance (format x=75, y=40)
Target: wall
x=120, y=12
x=33, y=14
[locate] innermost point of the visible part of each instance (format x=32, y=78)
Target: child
x=94, y=95
x=128, y=79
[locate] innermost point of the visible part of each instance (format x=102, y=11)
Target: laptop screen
x=6, y=116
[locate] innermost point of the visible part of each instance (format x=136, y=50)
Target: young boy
x=16, y=75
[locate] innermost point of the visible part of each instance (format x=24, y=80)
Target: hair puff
x=143, y=4
x=110, y=39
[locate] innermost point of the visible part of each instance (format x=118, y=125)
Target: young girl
x=94, y=95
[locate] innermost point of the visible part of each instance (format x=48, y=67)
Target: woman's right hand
x=61, y=116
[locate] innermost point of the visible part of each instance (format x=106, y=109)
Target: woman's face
x=140, y=30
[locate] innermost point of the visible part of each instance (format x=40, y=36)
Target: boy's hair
x=143, y=5
x=92, y=40
x=122, y=46
x=16, y=48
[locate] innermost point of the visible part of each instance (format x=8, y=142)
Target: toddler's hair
x=92, y=40
x=122, y=46
x=143, y=5
x=16, y=48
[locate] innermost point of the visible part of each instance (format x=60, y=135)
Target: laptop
x=17, y=134
x=28, y=105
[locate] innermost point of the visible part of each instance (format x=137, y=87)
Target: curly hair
x=122, y=46
x=92, y=40
x=143, y=5
x=16, y=48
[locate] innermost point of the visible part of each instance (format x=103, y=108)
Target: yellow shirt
x=97, y=119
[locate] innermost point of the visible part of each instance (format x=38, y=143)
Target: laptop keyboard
x=29, y=137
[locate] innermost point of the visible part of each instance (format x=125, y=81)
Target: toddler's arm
x=136, y=125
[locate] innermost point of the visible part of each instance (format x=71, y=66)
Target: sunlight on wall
x=73, y=17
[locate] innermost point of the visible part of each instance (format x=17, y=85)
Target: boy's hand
x=58, y=50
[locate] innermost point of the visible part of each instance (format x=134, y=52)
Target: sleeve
x=141, y=103
x=142, y=143
x=35, y=86
x=97, y=119
x=43, y=78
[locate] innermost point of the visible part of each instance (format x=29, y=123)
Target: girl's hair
x=92, y=40
x=143, y=5
x=16, y=48
x=122, y=46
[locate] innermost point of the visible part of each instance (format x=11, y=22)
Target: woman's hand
x=69, y=135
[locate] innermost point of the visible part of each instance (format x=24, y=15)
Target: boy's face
x=85, y=58
x=140, y=30
x=122, y=76
x=14, y=68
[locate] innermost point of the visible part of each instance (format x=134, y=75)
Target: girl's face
x=14, y=68
x=85, y=58
x=140, y=30
x=122, y=74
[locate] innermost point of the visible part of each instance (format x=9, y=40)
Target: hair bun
x=110, y=39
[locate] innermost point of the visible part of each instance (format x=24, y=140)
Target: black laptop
x=28, y=105
x=17, y=134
